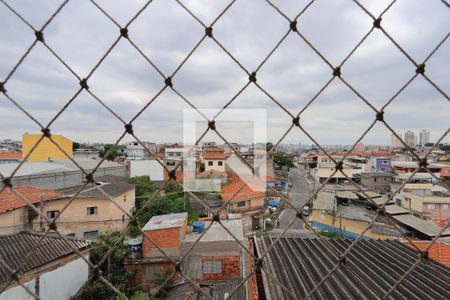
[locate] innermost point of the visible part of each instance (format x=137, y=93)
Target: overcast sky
x=81, y=34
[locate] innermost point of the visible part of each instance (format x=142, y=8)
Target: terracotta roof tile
x=439, y=251
x=10, y=201
x=7, y=155
x=245, y=193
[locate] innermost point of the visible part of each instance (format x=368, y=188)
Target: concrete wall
x=60, y=180
x=12, y=221
x=46, y=148
x=215, y=165
x=150, y=168
x=55, y=284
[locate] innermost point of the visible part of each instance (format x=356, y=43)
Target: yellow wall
x=12, y=221
x=46, y=148
x=347, y=225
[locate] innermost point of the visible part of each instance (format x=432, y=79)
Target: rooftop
x=10, y=201
x=246, y=193
x=217, y=232
x=378, y=174
x=427, y=228
x=439, y=251
x=15, y=247
x=375, y=266
x=32, y=168
x=166, y=221
x=10, y=155
x=111, y=185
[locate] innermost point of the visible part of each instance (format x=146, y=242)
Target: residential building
x=325, y=170
x=395, y=142
x=56, y=272
x=410, y=166
x=301, y=264
x=136, y=150
x=86, y=153
x=247, y=198
x=427, y=203
x=10, y=157
x=360, y=147
x=383, y=164
x=95, y=209
x=217, y=257
x=46, y=150
x=424, y=138
x=213, y=159
x=379, y=182
x=410, y=139
x=15, y=214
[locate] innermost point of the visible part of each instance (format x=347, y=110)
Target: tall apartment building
x=395, y=142
x=410, y=138
x=424, y=137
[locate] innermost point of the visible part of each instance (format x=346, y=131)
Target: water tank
x=198, y=226
x=135, y=248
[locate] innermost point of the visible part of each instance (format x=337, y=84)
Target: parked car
x=306, y=211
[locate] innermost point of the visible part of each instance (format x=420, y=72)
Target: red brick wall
x=231, y=267
x=165, y=238
x=253, y=287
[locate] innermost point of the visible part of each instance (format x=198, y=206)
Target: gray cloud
x=80, y=34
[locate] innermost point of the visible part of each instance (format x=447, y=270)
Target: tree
x=106, y=149
x=282, y=159
x=269, y=146
x=75, y=145
x=144, y=189
x=112, y=269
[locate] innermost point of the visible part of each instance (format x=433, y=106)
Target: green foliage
x=332, y=234
x=112, y=155
x=112, y=269
x=282, y=160
x=75, y=145
x=159, y=280
x=144, y=189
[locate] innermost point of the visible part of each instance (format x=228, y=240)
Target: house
x=410, y=166
x=245, y=197
x=430, y=203
x=15, y=214
x=177, y=158
x=383, y=164
x=54, y=271
x=136, y=150
x=46, y=149
x=10, y=157
x=216, y=258
x=213, y=159
x=370, y=270
x=94, y=210
x=326, y=169
x=379, y=182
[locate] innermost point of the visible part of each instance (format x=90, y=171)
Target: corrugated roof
x=15, y=247
x=216, y=290
x=300, y=264
x=395, y=210
x=112, y=185
x=325, y=201
x=427, y=228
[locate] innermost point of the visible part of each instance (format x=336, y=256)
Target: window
x=170, y=163
x=124, y=198
x=153, y=271
x=210, y=163
x=90, y=235
x=51, y=214
x=212, y=266
x=91, y=211
x=431, y=206
x=220, y=163
x=384, y=162
x=71, y=234
x=240, y=204
x=374, y=180
x=444, y=206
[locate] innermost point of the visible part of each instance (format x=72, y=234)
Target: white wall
x=147, y=168
x=65, y=281
x=59, y=284
x=18, y=292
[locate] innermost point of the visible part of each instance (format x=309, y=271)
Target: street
x=299, y=194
